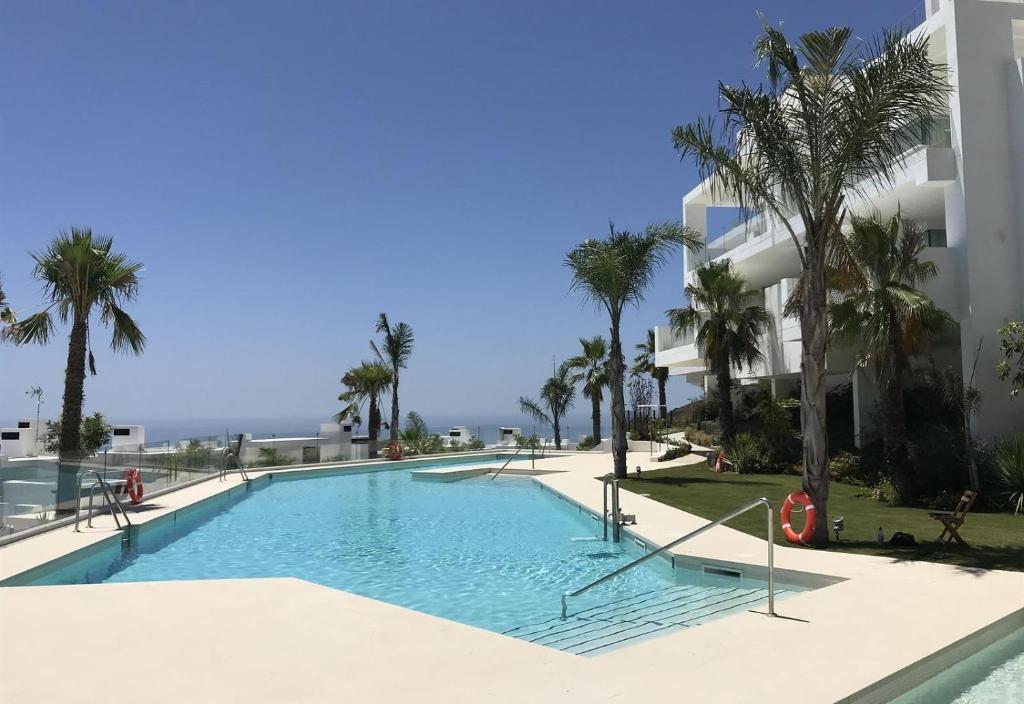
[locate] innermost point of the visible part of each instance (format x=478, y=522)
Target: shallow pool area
x=993, y=675
x=494, y=554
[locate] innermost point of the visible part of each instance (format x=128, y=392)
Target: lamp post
x=36, y=392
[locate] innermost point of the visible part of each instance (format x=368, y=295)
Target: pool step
x=592, y=630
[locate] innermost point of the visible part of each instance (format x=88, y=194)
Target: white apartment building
x=964, y=183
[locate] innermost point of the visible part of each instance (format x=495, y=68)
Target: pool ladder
x=109, y=498
x=692, y=534
x=532, y=458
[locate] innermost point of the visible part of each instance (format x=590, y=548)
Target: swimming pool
x=492, y=554
x=992, y=675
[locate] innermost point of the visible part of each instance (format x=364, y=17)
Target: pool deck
x=277, y=640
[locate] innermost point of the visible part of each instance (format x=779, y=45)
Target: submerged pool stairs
x=593, y=630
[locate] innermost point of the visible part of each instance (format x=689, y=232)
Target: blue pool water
x=993, y=675
x=493, y=554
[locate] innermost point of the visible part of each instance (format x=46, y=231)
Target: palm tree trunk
x=595, y=418
x=71, y=418
x=726, y=417
x=813, y=345
x=662, y=402
x=894, y=436
x=615, y=364
x=393, y=431
x=556, y=424
x=374, y=429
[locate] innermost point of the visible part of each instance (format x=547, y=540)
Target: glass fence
x=39, y=490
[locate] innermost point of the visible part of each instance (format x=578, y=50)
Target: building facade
x=963, y=181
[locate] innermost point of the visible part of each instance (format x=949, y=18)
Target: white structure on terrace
x=964, y=183
x=26, y=440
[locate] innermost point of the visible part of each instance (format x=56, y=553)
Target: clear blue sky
x=288, y=170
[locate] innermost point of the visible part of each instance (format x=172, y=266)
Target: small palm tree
x=1010, y=460
x=394, y=351
x=84, y=281
x=729, y=322
x=591, y=368
x=365, y=383
x=832, y=118
x=414, y=433
x=878, y=306
x=614, y=273
x=643, y=363
x=556, y=397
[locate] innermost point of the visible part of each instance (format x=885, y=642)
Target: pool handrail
x=693, y=534
x=495, y=475
x=109, y=497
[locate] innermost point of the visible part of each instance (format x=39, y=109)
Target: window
x=10, y=435
x=936, y=238
x=24, y=423
x=122, y=431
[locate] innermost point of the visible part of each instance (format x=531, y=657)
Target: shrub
x=587, y=443
x=1010, y=459
x=748, y=454
x=271, y=457
x=699, y=437
x=94, y=433
x=885, y=491
x=846, y=467
x=475, y=443
x=678, y=450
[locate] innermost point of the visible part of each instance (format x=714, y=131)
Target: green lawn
x=996, y=540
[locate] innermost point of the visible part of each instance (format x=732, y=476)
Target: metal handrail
x=693, y=534
x=108, y=496
x=494, y=476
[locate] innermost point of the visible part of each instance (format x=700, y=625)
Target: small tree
x=365, y=383
x=591, y=369
x=557, y=395
x=1011, y=367
x=93, y=434
x=643, y=363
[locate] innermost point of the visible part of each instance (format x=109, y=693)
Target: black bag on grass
x=902, y=540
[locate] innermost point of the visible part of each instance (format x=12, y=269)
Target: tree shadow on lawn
x=743, y=480
x=973, y=559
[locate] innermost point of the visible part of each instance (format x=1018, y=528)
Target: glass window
x=936, y=238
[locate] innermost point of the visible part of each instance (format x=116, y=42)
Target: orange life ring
x=133, y=483
x=798, y=497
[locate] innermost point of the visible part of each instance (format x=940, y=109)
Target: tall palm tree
x=591, y=368
x=643, y=363
x=557, y=395
x=365, y=383
x=614, y=273
x=878, y=307
x=83, y=281
x=729, y=322
x=394, y=351
x=833, y=117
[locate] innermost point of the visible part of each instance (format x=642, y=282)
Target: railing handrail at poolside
x=693, y=534
x=108, y=496
x=494, y=476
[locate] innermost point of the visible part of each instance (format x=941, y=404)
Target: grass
x=996, y=540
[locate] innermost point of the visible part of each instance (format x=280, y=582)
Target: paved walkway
x=285, y=640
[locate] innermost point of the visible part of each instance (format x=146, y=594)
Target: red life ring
x=133, y=483
x=798, y=497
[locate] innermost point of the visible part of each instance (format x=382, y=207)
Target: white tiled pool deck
x=286, y=640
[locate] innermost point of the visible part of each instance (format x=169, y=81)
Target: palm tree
x=616, y=272
x=6, y=315
x=81, y=276
x=556, y=397
x=394, y=351
x=833, y=119
x=878, y=306
x=643, y=363
x=366, y=384
x=591, y=368
x=729, y=322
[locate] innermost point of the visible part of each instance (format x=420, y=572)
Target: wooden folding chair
x=952, y=520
